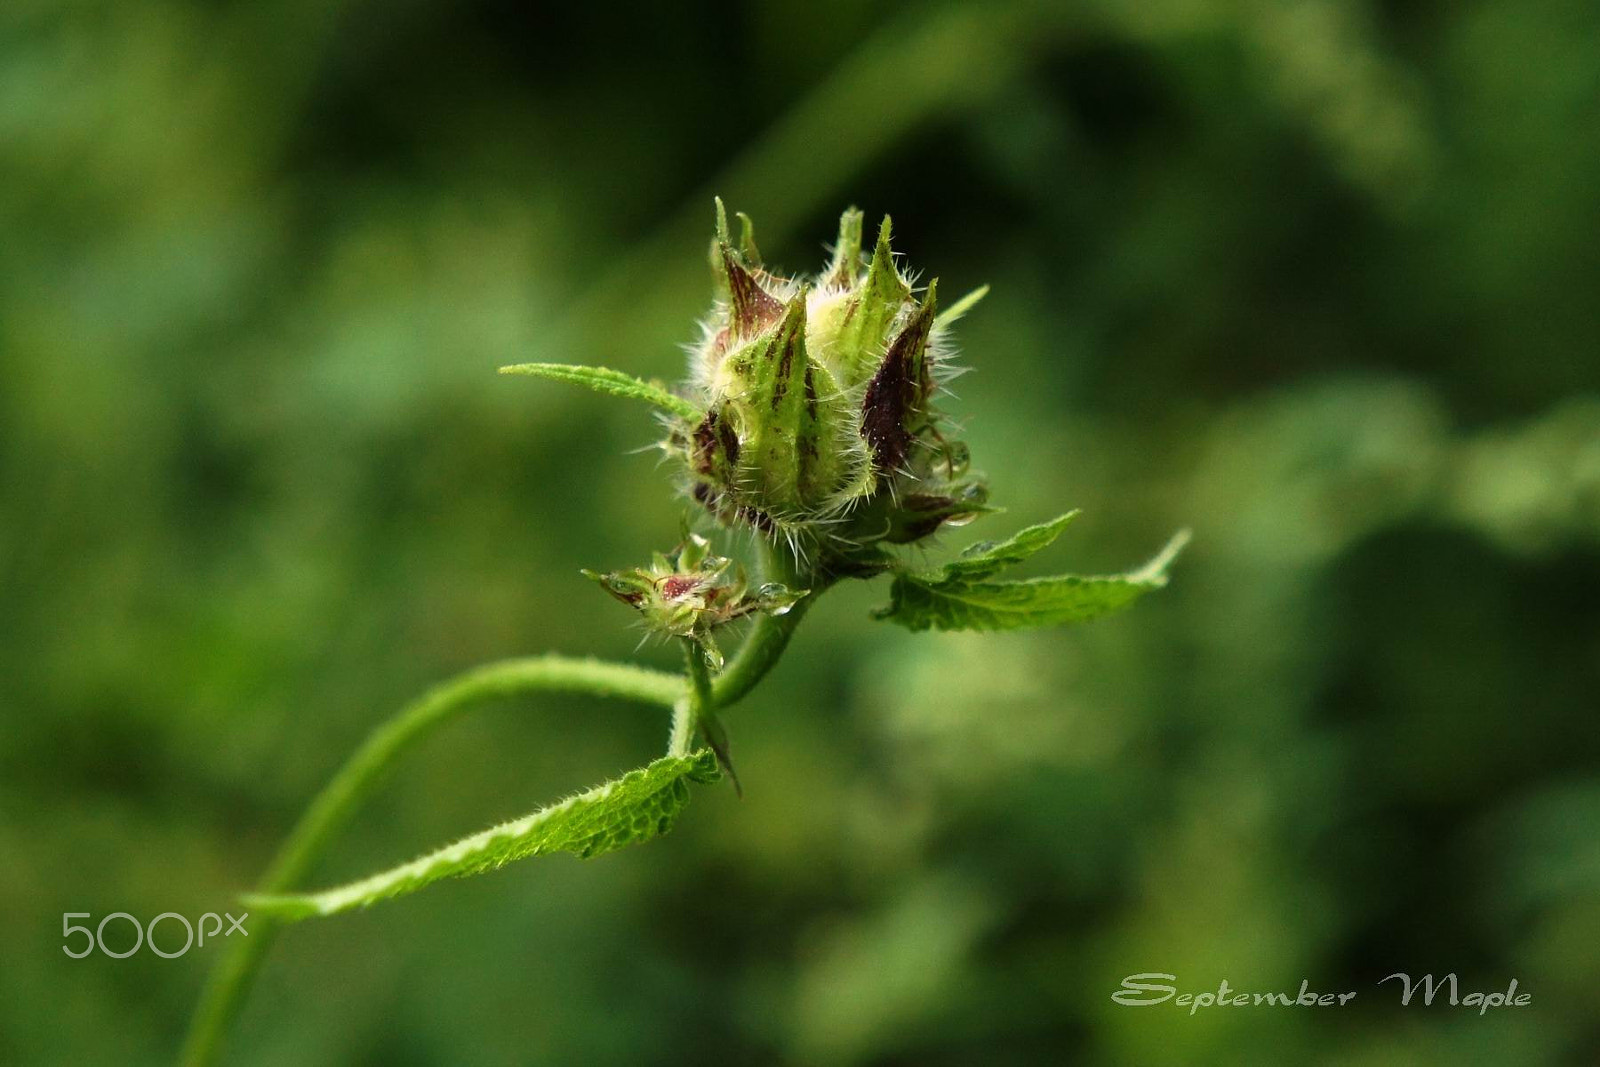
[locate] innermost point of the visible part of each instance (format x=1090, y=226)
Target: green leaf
x=959, y=595
x=981, y=560
x=949, y=315
x=640, y=805
x=606, y=380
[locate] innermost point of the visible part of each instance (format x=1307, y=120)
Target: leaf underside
x=606, y=380
x=640, y=805
x=962, y=594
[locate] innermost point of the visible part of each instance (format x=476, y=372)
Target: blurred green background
x=1318, y=279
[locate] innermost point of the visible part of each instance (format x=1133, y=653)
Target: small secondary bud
x=690, y=592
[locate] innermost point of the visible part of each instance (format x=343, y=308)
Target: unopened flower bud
x=817, y=394
x=690, y=592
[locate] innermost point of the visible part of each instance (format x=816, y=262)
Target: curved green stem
x=769, y=634
x=694, y=705
x=699, y=675
x=691, y=708
x=682, y=738
x=339, y=799
x=698, y=714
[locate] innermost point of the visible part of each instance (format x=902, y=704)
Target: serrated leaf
x=959, y=597
x=980, y=560
x=640, y=805
x=606, y=380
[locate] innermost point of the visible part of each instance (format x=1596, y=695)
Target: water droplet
x=961, y=519
x=776, y=591
x=957, y=457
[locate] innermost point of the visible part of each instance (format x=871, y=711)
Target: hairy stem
x=341, y=797
x=682, y=738
x=692, y=707
x=769, y=634
x=700, y=713
x=699, y=695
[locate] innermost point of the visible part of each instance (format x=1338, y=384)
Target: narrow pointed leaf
x=606, y=380
x=636, y=807
x=955, y=311
x=947, y=600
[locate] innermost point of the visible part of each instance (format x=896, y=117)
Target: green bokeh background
x=1318, y=279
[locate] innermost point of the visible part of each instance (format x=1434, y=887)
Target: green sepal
x=719, y=240
x=872, y=312
x=835, y=464
x=846, y=263
x=772, y=407
x=747, y=240
x=714, y=446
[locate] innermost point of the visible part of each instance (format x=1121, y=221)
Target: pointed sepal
x=894, y=408
x=773, y=409
x=872, y=311
x=751, y=308
x=747, y=241
x=845, y=266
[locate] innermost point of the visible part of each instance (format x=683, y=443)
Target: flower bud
x=690, y=592
x=817, y=394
